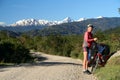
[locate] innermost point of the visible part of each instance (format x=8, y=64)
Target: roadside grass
x=111, y=71
x=2, y=64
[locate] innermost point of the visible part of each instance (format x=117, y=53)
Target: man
x=88, y=39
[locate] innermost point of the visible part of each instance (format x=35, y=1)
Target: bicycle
x=101, y=53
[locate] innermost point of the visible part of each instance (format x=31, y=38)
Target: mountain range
x=65, y=26
x=32, y=24
x=35, y=22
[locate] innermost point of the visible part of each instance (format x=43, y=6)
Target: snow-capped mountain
x=25, y=25
x=30, y=22
x=67, y=20
x=35, y=22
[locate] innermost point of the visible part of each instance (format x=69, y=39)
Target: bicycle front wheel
x=94, y=65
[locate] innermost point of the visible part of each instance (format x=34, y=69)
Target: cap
x=90, y=25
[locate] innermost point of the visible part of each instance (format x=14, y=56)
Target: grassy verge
x=2, y=64
x=111, y=71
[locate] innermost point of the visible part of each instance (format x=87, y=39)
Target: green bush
x=58, y=45
x=74, y=54
x=13, y=53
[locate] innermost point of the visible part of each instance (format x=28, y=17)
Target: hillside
x=113, y=30
x=73, y=27
x=78, y=27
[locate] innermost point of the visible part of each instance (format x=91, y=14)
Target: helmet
x=90, y=25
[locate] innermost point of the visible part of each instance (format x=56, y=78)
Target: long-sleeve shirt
x=88, y=39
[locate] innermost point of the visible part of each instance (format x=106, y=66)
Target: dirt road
x=50, y=68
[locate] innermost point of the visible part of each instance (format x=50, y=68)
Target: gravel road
x=47, y=67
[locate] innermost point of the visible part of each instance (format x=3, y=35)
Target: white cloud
x=2, y=23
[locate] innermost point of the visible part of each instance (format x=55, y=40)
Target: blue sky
x=14, y=10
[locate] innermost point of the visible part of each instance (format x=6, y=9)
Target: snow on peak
x=26, y=22
x=67, y=20
x=99, y=17
x=81, y=19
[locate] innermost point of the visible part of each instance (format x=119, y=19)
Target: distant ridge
x=65, y=27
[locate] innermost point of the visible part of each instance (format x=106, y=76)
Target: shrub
x=13, y=53
x=74, y=54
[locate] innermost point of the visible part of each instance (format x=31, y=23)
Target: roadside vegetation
x=16, y=49
x=111, y=71
x=63, y=45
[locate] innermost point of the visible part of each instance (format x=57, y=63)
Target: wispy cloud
x=2, y=23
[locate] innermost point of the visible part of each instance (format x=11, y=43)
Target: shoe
x=87, y=72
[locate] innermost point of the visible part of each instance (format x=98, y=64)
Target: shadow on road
x=38, y=57
x=39, y=61
x=10, y=65
x=55, y=64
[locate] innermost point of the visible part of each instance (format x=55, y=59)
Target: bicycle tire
x=94, y=65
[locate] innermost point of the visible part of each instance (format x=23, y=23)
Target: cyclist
x=88, y=39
